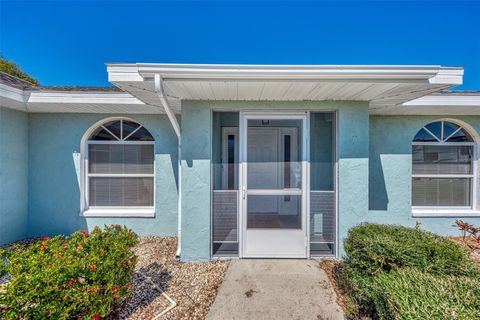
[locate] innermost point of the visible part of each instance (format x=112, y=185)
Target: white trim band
x=445, y=213
x=119, y=212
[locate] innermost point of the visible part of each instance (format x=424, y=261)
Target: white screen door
x=273, y=169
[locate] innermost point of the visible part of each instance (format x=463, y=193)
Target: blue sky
x=68, y=43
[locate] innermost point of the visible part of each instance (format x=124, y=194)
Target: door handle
x=243, y=193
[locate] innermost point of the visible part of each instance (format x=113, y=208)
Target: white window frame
x=95, y=211
x=449, y=211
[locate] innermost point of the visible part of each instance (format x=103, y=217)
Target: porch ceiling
x=385, y=87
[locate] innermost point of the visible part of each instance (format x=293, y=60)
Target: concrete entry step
x=275, y=289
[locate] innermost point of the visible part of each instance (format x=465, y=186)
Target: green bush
x=384, y=262
x=360, y=290
x=80, y=276
x=411, y=294
x=372, y=248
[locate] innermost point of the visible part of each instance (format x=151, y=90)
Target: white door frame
x=244, y=117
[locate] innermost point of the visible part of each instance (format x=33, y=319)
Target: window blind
x=121, y=192
x=430, y=159
x=436, y=192
x=120, y=158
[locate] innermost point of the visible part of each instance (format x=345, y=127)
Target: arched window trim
x=444, y=211
x=90, y=211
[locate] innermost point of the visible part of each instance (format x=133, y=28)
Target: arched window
x=119, y=167
x=443, y=169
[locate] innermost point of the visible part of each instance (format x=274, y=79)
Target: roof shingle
x=21, y=84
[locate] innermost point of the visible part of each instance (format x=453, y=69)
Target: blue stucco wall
x=40, y=171
x=196, y=181
x=13, y=175
x=54, y=177
x=390, y=172
x=197, y=157
x=353, y=162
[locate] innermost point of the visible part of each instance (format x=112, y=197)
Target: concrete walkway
x=275, y=289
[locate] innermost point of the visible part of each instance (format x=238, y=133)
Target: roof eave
x=445, y=100
x=141, y=71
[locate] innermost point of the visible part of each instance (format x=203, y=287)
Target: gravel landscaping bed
x=472, y=247
x=193, y=286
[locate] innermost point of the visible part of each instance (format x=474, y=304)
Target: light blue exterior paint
x=40, y=171
x=54, y=179
x=196, y=181
x=390, y=172
x=353, y=141
x=13, y=175
x=197, y=159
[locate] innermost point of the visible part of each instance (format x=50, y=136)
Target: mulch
x=331, y=268
x=193, y=286
x=472, y=247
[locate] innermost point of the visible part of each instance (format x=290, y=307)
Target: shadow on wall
x=390, y=162
x=377, y=194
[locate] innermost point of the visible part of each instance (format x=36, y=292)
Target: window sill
x=447, y=213
x=119, y=213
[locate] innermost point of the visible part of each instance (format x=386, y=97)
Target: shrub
x=80, y=276
x=360, y=290
x=383, y=258
x=411, y=294
x=373, y=248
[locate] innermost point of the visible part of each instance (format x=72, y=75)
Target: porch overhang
x=384, y=87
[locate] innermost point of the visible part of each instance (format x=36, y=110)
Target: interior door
x=273, y=186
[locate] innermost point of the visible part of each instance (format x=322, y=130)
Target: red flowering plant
x=470, y=231
x=467, y=228
x=82, y=276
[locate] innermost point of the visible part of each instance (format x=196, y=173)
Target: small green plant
x=81, y=276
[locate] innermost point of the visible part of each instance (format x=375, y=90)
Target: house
x=241, y=160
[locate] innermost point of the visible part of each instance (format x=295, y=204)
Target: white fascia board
x=281, y=73
x=123, y=72
x=13, y=98
x=12, y=93
x=463, y=100
x=83, y=98
x=453, y=76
